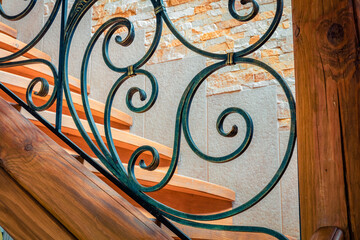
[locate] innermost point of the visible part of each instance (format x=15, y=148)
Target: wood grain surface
x=326, y=47
x=23, y=217
x=64, y=187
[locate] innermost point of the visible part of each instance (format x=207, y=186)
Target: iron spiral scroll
x=105, y=150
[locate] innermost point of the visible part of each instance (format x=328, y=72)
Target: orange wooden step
x=125, y=142
x=18, y=85
x=178, y=183
x=8, y=30
x=38, y=70
x=182, y=193
x=13, y=45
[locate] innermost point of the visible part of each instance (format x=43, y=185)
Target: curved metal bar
x=106, y=152
x=229, y=228
x=151, y=167
x=38, y=37
x=128, y=40
x=198, y=80
x=113, y=22
x=241, y=53
x=44, y=90
x=20, y=15
x=110, y=99
x=284, y=163
x=123, y=42
x=76, y=14
x=251, y=15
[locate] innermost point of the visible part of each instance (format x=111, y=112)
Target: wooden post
x=58, y=188
x=326, y=46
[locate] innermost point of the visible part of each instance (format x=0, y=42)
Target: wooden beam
x=79, y=200
x=326, y=47
x=23, y=217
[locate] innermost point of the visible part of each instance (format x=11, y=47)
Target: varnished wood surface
x=328, y=233
x=23, y=217
x=179, y=183
x=38, y=70
x=64, y=187
x=7, y=30
x=124, y=141
x=326, y=48
x=18, y=85
x=205, y=234
x=14, y=45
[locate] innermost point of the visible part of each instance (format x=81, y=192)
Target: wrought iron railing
x=125, y=178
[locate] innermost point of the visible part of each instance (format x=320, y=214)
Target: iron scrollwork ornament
x=105, y=150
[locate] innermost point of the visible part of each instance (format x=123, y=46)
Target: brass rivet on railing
x=230, y=59
x=159, y=9
x=130, y=71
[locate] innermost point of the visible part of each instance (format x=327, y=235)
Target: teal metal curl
x=44, y=90
x=38, y=37
x=110, y=99
x=20, y=15
x=188, y=94
x=106, y=151
x=251, y=15
x=151, y=167
x=182, y=122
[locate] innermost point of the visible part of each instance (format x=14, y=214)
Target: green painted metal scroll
x=105, y=150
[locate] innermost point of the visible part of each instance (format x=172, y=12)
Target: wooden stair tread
x=179, y=183
x=18, y=85
x=8, y=30
x=38, y=70
x=122, y=139
x=14, y=45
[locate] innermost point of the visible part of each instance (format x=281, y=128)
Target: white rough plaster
x=30, y=25
x=173, y=78
x=249, y=173
x=103, y=78
x=289, y=191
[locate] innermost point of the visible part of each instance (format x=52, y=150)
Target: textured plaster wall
x=208, y=25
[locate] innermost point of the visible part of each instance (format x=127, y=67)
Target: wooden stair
x=182, y=193
x=47, y=194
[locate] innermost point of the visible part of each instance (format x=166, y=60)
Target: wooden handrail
x=328, y=233
x=54, y=195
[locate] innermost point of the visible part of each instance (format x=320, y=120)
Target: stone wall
x=208, y=25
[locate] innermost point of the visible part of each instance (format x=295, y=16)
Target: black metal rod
x=59, y=83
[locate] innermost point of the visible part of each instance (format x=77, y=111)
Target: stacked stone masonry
x=208, y=25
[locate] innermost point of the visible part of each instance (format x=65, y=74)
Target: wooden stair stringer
x=64, y=188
